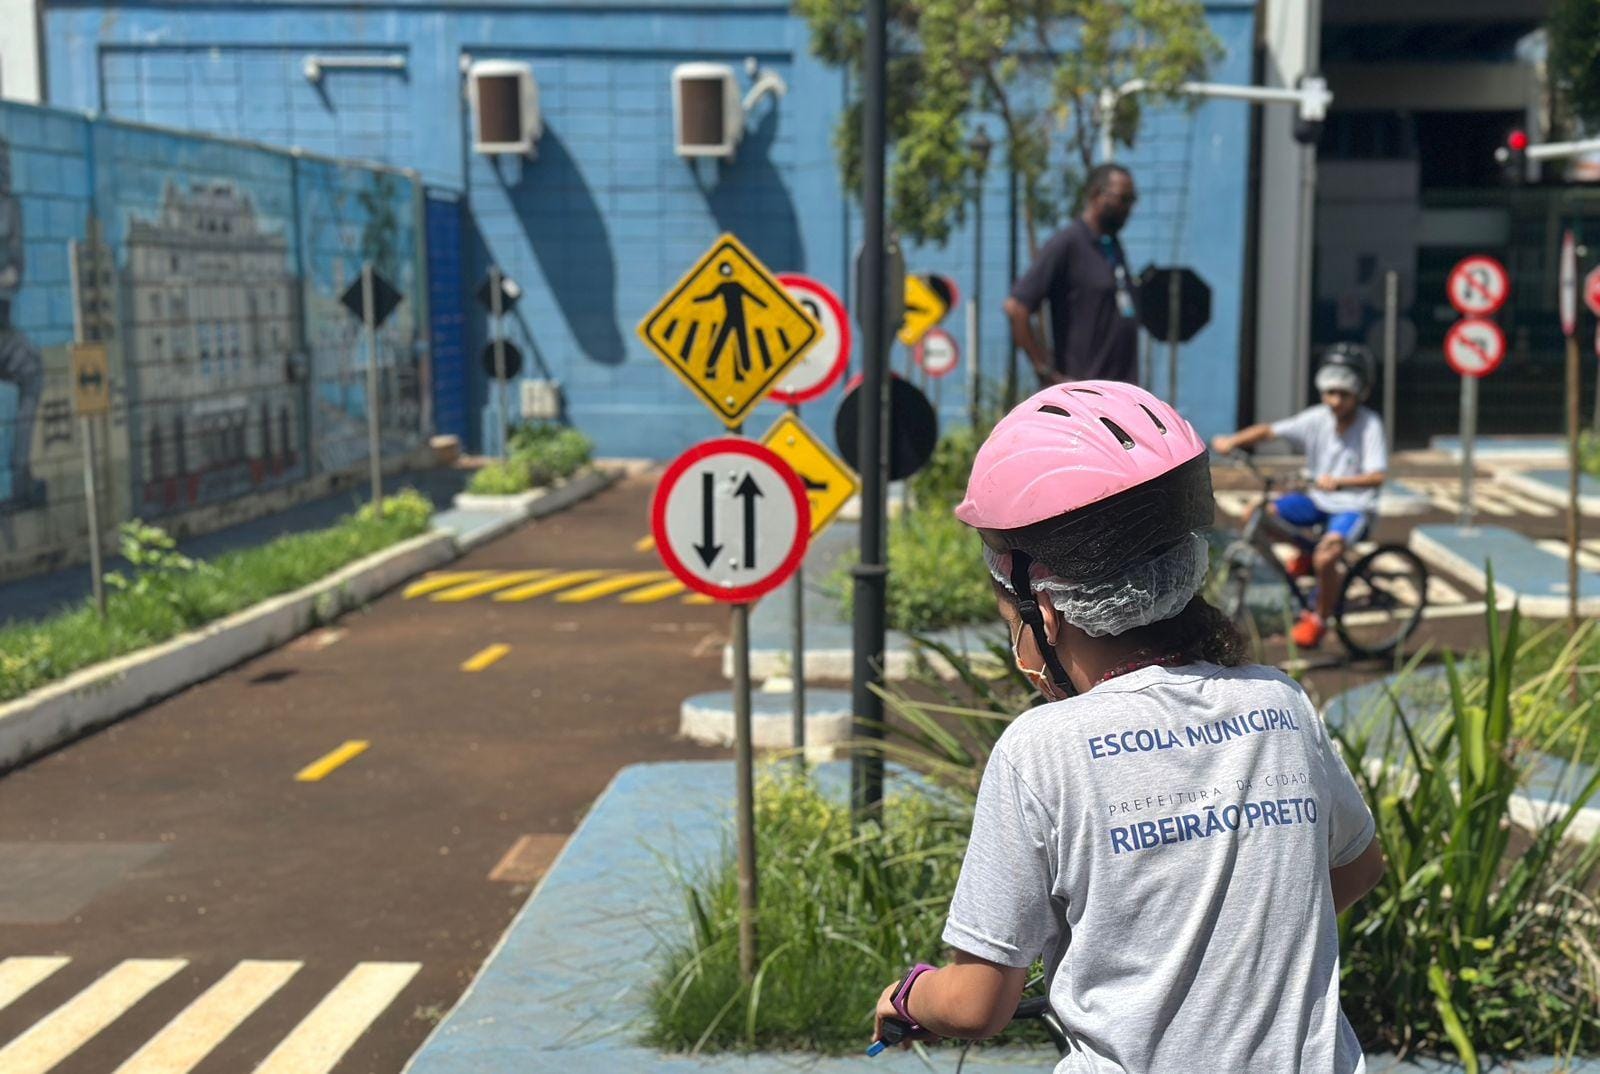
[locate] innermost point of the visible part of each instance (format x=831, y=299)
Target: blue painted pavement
x=1523, y=571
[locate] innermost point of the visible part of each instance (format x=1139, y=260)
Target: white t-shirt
x=1163, y=843
x=1358, y=450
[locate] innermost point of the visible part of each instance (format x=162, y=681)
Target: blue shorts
x=1298, y=509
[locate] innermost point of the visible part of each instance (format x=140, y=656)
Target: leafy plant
x=1470, y=944
x=848, y=909
x=536, y=455
x=937, y=577
x=158, y=566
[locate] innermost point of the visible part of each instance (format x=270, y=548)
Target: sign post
x=813, y=374
x=731, y=332
x=1569, y=327
x=732, y=521
x=91, y=396
x=1173, y=304
x=498, y=293
x=1474, y=347
x=372, y=298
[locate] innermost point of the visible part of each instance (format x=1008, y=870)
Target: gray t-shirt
x=1360, y=449
x=1163, y=843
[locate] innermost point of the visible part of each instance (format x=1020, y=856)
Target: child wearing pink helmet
x=1172, y=831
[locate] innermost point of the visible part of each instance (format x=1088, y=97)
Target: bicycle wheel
x=1381, y=602
x=1238, y=566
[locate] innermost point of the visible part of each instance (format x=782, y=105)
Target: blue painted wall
x=607, y=217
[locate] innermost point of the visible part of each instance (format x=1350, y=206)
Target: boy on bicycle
x=1347, y=459
x=1172, y=832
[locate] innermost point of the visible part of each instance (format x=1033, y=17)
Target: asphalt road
x=180, y=835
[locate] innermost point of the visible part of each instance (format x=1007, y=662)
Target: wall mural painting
x=211, y=306
x=20, y=364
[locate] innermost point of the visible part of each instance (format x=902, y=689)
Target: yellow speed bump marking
x=651, y=594
x=485, y=657
x=432, y=583
x=547, y=585
x=314, y=771
x=699, y=598
x=607, y=586
x=500, y=580
x=647, y=543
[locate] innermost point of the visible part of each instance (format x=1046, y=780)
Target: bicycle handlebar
x=895, y=1031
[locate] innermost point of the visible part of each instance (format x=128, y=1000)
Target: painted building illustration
x=211, y=306
x=20, y=365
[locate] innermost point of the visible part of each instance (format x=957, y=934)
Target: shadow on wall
x=748, y=198
x=559, y=215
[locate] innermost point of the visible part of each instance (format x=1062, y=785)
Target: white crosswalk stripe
x=314, y=1046
x=68, y=1027
x=207, y=1021
x=325, y=1034
x=1489, y=497
x=1588, y=557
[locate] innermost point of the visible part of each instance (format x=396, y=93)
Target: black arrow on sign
x=90, y=379
x=748, y=491
x=708, y=519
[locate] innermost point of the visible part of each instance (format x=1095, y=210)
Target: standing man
x=19, y=359
x=1094, y=332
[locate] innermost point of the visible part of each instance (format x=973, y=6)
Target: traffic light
x=1513, y=157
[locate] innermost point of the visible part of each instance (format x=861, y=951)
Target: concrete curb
x=1523, y=482
x=1445, y=559
x=837, y=665
x=98, y=695
x=708, y=719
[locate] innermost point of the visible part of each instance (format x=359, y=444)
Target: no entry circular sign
x=731, y=519
x=937, y=353
x=824, y=363
x=1475, y=347
x=1478, y=286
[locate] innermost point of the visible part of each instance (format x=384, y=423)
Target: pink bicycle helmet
x=1088, y=477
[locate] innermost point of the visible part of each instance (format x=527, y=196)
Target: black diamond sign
x=384, y=299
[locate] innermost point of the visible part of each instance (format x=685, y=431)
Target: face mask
x=1039, y=679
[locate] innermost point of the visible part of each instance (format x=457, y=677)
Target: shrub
x=502, y=478
x=168, y=593
x=845, y=912
x=536, y=455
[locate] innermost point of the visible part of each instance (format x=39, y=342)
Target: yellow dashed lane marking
x=314, y=771
x=548, y=585
x=651, y=594
x=502, y=580
x=607, y=586
x=647, y=543
x=699, y=598
x=485, y=657
x=432, y=583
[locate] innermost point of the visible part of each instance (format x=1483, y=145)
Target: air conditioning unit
x=707, y=113
x=505, y=107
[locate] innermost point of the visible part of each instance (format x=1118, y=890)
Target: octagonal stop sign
x=1155, y=301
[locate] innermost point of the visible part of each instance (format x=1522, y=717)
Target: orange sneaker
x=1307, y=633
x=1300, y=565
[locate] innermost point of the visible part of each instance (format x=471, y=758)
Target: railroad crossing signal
x=730, y=519
x=828, y=482
x=924, y=309
x=729, y=330
x=91, y=379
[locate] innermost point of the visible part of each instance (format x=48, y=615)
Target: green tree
x=1037, y=64
x=1574, y=30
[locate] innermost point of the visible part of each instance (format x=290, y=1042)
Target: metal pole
x=974, y=308
x=797, y=659
x=1469, y=433
x=1010, y=399
x=374, y=449
x=1573, y=388
x=1303, y=254
x=1172, y=336
x=746, y=790
x=499, y=360
x=871, y=572
x=91, y=500
x=1391, y=351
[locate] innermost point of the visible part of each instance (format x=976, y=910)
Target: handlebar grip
x=894, y=1031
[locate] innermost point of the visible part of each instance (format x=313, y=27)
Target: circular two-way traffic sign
x=1475, y=347
x=937, y=353
x=731, y=519
x=1478, y=286
x=825, y=362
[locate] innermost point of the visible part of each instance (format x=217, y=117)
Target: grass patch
x=538, y=455
x=842, y=914
x=168, y=593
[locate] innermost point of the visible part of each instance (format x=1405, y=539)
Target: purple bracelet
x=898, y=999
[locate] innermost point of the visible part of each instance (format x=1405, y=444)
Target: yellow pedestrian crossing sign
x=924, y=309
x=828, y=481
x=729, y=330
